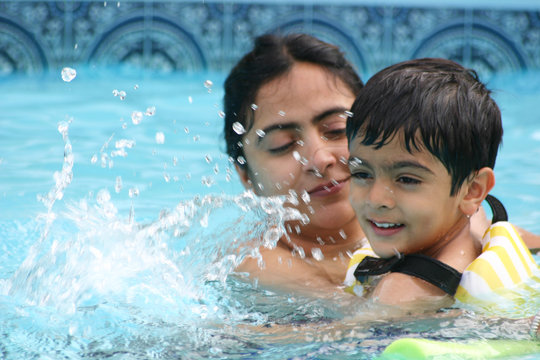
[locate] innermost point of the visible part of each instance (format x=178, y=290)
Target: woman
x=286, y=104
x=291, y=94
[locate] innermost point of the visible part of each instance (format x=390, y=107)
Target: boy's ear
x=476, y=190
x=244, y=176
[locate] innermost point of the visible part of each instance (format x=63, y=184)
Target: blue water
x=118, y=237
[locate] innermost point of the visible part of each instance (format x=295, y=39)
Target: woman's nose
x=321, y=156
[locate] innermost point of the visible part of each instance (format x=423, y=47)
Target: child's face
x=402, y=200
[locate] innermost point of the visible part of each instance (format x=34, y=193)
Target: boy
x=423, y=140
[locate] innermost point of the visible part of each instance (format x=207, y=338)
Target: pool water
x=121, y=220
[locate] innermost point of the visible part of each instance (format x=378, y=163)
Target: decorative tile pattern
x=37, y=36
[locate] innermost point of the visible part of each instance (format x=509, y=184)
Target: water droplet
x=208, y=181
x=317, y=254
x=221, y=114
x=241, y=160
x=94, y=158
x=355, y=162
x=305, y=197
x=299, y=251
x=260, y=132
x=167, y=177
x=190, y=99
x=136, y=117
x=343, y=234
x=124, y=143
x=349, y=114
x=254, y=107
x=103, y=196
x=150, y=111
x=118, y=184
x=296, y=156
x=68, y=74
x=186, y=130
x=104, y=159
x=133, y=192
x=136, y=87
x=121, y=94
x=293, y=197
x=271, y=237
x=174, y=161
x=208, y=84
x=63, y=128
x=160, y=137
x=196, y=138
x=208, y=158
x=281, y=113
x=216, y=169
x=343, y=160
x=238, y=128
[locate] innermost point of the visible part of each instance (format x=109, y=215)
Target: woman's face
x=297, y=142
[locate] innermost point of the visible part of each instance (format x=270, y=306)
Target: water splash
x=68, y=74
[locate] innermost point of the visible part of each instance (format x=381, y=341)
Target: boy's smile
x=402, y=200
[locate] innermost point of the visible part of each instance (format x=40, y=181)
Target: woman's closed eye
x=279, y=142
x=282, y=148
x=335, y=134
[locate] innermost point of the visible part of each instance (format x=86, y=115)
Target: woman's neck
x=329, y=243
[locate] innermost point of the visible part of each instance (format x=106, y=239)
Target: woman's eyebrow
x=293, y=125
x=280, y=126
x=335, y=110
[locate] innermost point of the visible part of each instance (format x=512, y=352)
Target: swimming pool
x=120, y=217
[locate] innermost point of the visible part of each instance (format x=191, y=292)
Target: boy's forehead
x=393, y=150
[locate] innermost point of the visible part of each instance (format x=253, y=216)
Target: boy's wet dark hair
x=436, y=104
x=271, y=57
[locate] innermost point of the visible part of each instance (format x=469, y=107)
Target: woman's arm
x=480, y=223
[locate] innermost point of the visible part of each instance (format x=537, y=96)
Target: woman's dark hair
x=437, y=105
x=271, y=57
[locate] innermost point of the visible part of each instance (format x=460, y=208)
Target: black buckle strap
x=497, y=208
x=424, y=267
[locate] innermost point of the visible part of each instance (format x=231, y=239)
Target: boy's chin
x=385, y=252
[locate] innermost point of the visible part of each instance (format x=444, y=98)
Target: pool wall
x=36, y=36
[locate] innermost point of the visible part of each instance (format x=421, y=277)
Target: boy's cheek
x=356, y=200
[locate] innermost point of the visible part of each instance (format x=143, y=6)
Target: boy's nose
x=380, y=195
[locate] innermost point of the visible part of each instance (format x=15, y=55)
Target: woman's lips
x=328, y=189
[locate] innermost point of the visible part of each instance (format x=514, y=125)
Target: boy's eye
x=361, y=175
x=408, y=180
